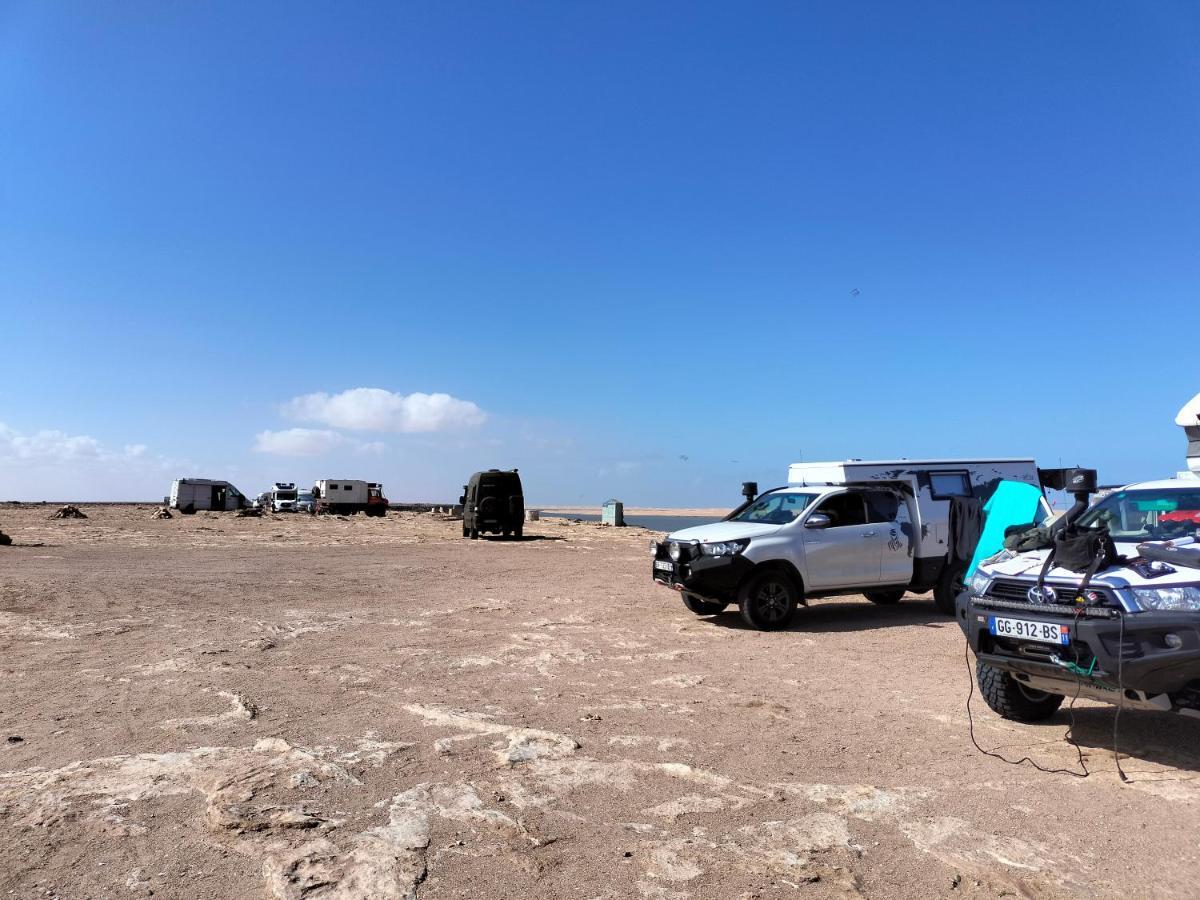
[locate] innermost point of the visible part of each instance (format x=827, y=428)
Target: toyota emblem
x=1043, y=594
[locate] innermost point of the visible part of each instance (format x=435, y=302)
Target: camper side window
x=944, y=485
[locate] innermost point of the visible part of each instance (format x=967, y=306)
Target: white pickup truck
x=879, y=528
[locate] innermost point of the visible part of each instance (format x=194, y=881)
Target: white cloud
x=49, y=446
x=374, y=409
x=55, y=465
x=298, y=442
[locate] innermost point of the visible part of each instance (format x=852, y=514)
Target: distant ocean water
x=666, y=524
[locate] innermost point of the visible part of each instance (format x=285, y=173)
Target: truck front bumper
x=1151, y=652
x=708, y=577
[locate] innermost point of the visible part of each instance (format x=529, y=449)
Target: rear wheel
x=519, y=532
x=949, y=585
x=885, y=598
x=768, y=601
x=474, y=534
x=703, y=607
x=1011, y=699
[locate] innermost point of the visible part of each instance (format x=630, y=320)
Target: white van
x=206, y=493
x=283, y=497
x=879, y=528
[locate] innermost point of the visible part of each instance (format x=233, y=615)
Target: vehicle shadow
x=500, y=539
x=842, y=614
x=1163, y=739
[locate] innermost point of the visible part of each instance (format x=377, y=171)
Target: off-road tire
x=1007, y=697
x=466, y=532
x=949, y=585
x=519, y=532
x=474, y=534
x=768, y=601
x=885, y=598
x=703, y=607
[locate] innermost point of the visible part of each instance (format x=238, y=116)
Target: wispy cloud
x=375, y=409
x=298, y=442
x=51, y=446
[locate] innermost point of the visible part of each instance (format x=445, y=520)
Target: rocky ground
x=208, y=706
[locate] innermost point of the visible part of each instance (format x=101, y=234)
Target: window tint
x=882, y=506
x=944, y=485
x=844, y=509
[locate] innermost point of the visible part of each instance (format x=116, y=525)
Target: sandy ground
x=291, y=707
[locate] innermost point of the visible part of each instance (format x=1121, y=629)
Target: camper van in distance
x=204, y=493
x=345, y=497
x=283, y=497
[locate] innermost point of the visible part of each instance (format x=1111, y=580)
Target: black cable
x=1121, y=691
x=1069, y=736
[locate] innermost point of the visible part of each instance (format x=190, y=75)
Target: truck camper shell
x=931, y=483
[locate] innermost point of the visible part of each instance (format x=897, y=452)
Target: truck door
x=847, y=553
x=896, y=536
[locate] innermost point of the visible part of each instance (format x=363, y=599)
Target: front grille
x=1013, y=590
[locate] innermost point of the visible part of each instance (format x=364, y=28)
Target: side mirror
x=818, y=520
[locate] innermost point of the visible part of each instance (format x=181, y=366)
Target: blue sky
x=646, y=250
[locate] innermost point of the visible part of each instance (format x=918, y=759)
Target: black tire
x=949, y=585
x=466, y=533
x=703, y=607
x=474, y=534
x=1007, y=697
x=519, y=532
x=768, y=601
x=885, y=598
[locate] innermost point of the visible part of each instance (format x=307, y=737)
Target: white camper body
x=206, y=493
x=349, y=496
x=929, y=482
x=283, y=497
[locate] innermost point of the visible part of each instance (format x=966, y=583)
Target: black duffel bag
x=1086, y=550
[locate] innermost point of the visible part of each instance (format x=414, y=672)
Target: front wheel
x=474, y=533
x=949, y=585
x=703, y=607
x=768, y=601
x=519, y=532
x=885, y=598
x=1007, y=697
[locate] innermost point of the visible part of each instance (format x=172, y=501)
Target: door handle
x=868, y=534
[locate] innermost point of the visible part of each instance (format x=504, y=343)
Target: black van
x=492, y=502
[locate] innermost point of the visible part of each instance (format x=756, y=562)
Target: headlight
x=979, y=583
x=674, y=550
x=724, y=548
x=654, y=548
x=1169, y=598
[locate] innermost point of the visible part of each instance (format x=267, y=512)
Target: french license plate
x=1044, y=632
x=662, y=565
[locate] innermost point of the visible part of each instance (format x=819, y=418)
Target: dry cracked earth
x=353, y=708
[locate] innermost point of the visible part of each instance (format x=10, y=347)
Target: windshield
x=304, y=495
x=1146, y=515
x=775, y=509
x=285, y=495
